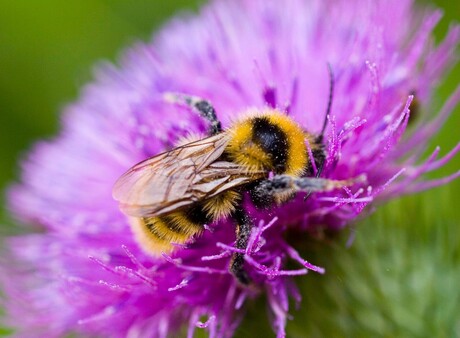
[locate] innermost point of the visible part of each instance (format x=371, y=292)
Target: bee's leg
x=283, y=184
x=202, y=107
x=244, y=225
x=319, y=157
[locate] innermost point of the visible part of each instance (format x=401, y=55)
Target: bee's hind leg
x=244, y=225
x=201, y=106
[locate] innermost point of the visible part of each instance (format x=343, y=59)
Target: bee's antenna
x=329, y=103
x=321, y=158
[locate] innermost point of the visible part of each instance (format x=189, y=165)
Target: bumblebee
x=170, y=197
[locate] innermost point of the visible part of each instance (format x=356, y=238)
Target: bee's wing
x=221, y=176
x=177, y=178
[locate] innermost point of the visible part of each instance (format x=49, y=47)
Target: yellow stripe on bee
x=156, y=234
x=242, y=151
x=147, y=240
x=250, y=156
x=177, y=223
x=222, y=205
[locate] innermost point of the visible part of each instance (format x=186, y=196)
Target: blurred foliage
x=401, y=276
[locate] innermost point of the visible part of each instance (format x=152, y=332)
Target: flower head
x=85, y=273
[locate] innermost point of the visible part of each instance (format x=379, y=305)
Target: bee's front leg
x=201, y=106
x=268, y=191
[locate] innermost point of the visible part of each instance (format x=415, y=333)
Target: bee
x=169, y=198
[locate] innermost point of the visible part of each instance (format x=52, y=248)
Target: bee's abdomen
x=165, y=233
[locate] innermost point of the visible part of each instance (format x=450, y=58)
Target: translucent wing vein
x=178, y=178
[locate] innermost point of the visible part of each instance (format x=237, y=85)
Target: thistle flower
x=85, y=273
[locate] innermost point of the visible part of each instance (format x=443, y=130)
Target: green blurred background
x=401, y=277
